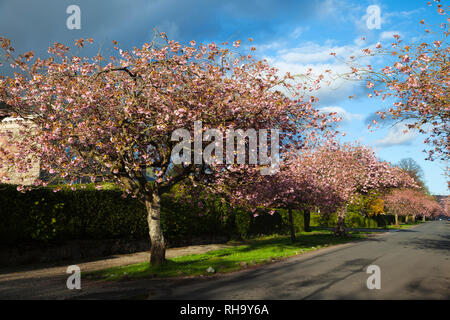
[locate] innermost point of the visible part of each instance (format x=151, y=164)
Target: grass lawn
x=244, y=254
x=367, y=230
x=405, y=226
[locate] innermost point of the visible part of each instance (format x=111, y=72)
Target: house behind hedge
x=9, y=174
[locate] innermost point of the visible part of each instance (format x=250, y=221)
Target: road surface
x=414, y=264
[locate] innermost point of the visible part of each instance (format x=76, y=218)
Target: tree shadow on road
x=429, y=244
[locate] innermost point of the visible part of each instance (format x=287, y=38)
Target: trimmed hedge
x=45, y=216
x=353, y=219
x=41, y=215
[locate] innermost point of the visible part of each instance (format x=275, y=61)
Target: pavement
x=45, y=281
x=414, y=264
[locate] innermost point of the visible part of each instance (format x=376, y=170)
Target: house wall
x=8, y=173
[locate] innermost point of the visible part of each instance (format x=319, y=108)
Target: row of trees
x=326, y=178
x=113, y=119
x=414, y=203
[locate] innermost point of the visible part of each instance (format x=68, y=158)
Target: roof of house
x=4, y=111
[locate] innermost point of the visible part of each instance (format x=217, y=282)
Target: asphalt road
x=414, y=264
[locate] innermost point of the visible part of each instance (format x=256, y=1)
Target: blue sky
x=292, y=35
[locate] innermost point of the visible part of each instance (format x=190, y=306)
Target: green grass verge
x=404, y=226
x=242, y=255
x=367, y=230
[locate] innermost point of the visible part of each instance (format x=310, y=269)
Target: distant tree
x=330, y=177
x=411, y=167
x=411, y=202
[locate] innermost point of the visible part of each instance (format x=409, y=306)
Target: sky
x=292, y=35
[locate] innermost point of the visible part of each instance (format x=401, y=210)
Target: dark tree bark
x=158, y=246
x=307, y=219
x=291, y=224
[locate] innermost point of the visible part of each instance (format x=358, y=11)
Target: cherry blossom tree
x=417, y=80
x=113, y=118
x=412, y=202
x=294, y=187
x=431, y=208
x=350, y=170
x=329, y=176
x=446, y=206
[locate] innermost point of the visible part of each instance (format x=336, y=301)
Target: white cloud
x=313, y=52
x=341, y=112
x=334, y=9
x=389, y=35
x=394, y=16
x=329, y=7
x=271, y=46
x=169, y=27
x=397, y=135
x=314, y=56
x=299, y=31
x=327, y=94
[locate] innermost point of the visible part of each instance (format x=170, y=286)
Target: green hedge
x=44, y=215
x=353, y=219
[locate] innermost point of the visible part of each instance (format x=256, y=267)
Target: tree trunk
x=158, y=246
x=307, y=219
x=291, y=223
x=396, y=219
x=414, y=219
x=406, y=219
x=339, y=231
x=423, y=219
